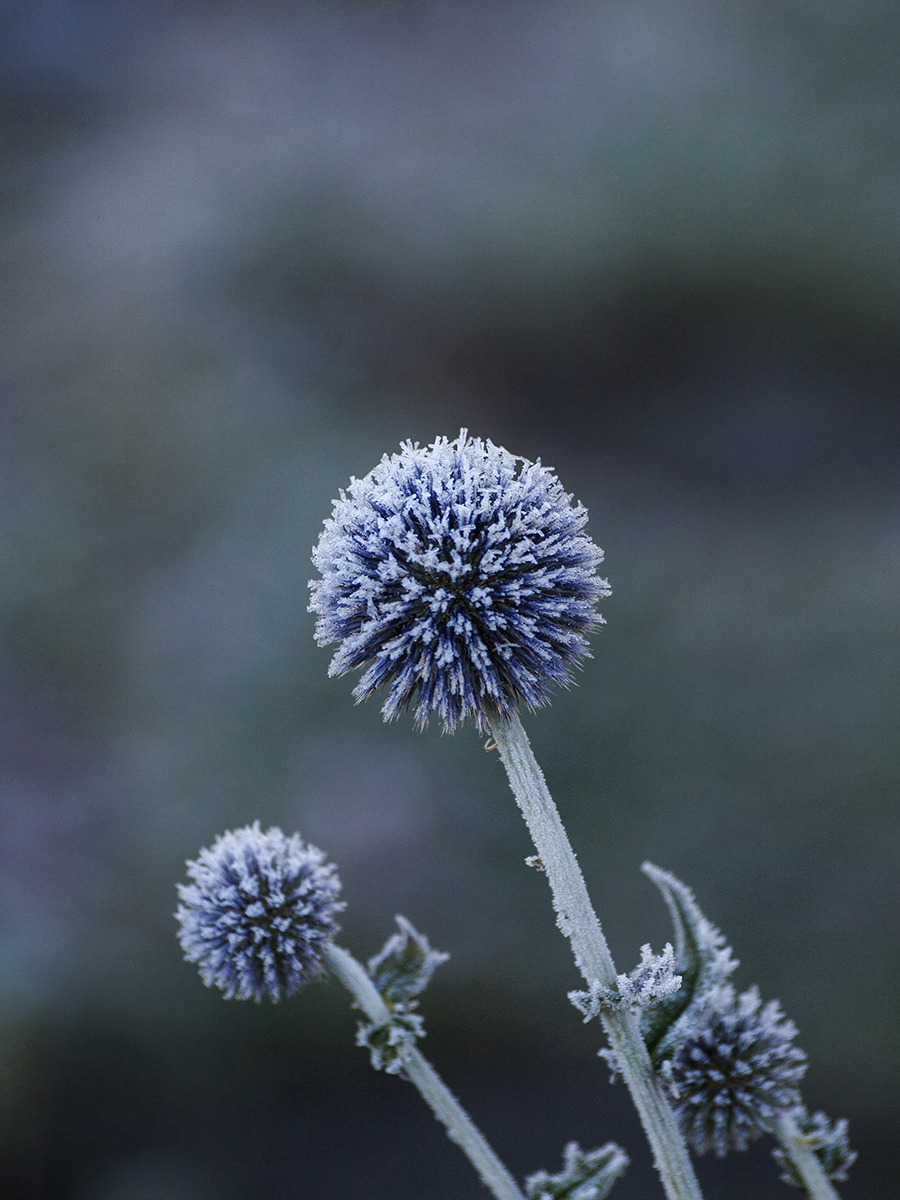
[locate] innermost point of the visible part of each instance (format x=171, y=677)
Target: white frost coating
x=578, y=921
x=648, y=984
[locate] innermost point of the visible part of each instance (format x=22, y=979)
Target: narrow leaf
x=702, y=958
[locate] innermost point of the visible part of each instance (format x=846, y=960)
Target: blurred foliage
x=249, y=250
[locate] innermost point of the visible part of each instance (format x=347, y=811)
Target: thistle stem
x=796, y=1148
x=457, y=1122
x=576, y=918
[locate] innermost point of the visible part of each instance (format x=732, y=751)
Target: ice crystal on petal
x=460, y=577
x=259, y=913
x=827, y=1140
x=585, y=1175
x=734, y=1070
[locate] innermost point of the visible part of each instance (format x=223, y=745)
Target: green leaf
x=702, y=959
x=404, y=965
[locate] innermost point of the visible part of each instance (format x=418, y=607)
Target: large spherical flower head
x=259, y=913
x=735, y=1071
x=459, y=575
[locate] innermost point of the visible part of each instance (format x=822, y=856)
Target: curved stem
x=576, y=918
x=448, y=1110
x=796, y=1148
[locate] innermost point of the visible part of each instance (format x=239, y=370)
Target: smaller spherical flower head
x=259, y=913
x=735, y=1071
x=460, y=577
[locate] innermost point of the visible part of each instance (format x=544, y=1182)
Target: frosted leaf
x=651, y=982
x=594, y=1000
x=400, y=971
x=404, y=966
x=701, y=959
x=389, y=1043
x=585, y=1175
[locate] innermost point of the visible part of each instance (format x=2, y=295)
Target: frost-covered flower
x=734, y=1071
x=459, y=575
x=259, y=913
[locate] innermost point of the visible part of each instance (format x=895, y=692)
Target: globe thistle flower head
x=259, y=913
x=460, y=577
x=734, y=1072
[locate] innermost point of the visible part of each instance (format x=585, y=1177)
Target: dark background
x=247, y=249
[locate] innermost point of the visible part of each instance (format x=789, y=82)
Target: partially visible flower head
x=459, y=575
x=829, y=1142
x=734, y=1072
x=259, y=913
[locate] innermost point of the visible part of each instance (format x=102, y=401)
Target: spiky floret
x=460, y=577
x=734, y=1071
x=259, y=913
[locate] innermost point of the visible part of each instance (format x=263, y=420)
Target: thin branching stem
x=448, y=1110
x=797, y=1149
x=578, y=921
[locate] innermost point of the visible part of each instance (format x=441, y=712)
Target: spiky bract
x=460, y=577
x=259, y=913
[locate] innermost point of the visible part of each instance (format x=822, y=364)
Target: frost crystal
x=596, y=998
x=827, y=1141
x=259, y=913
x=651, y=982
x=460, y=577
x=733, y=1071
x=585, y=1175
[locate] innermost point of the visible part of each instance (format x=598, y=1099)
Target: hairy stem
x=576, y=918
x=797, y=1149
x=448, y=1110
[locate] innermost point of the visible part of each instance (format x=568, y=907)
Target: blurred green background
x=247, y=249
